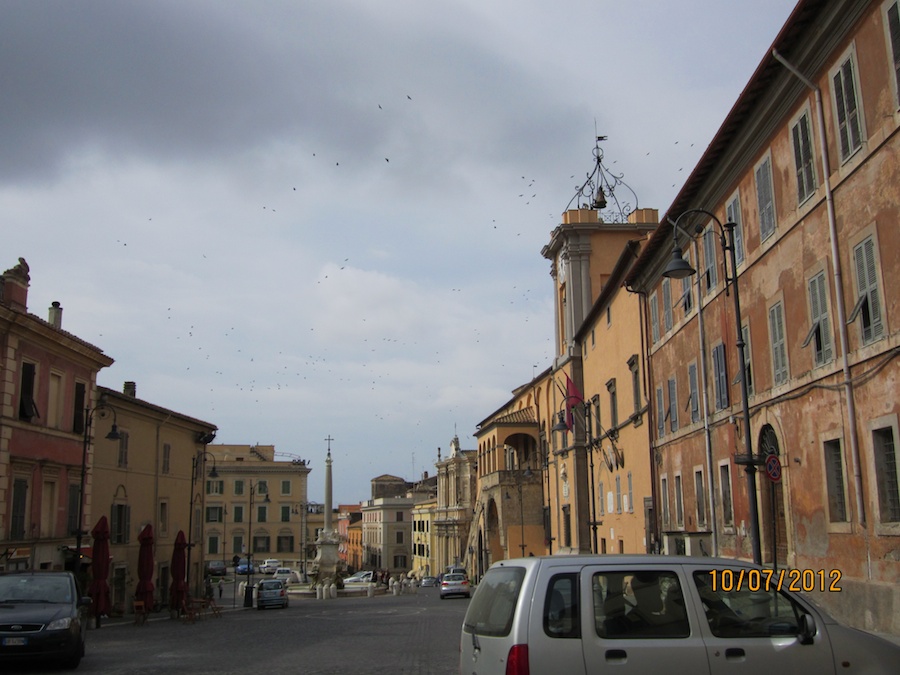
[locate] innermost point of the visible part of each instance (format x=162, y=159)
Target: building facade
x=799, y=188
x=48, y=384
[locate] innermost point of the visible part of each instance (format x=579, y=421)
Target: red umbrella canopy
x=99, y=589
x=146, y=564
x=178, y=569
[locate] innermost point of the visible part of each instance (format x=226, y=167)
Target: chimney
x=15, y=286
x=130, y=389
x=55, y=314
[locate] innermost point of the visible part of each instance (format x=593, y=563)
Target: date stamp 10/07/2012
x=806, y=580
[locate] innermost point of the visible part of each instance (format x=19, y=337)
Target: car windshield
x=491, y=610
x=454, y=577
x=35, y=589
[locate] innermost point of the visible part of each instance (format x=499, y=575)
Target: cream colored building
x=456, y=498
x=423, y=538
x=257, y=505
x=143, y=478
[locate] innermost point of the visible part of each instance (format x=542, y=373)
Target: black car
x=42, y=616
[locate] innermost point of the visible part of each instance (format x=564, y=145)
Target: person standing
x=221, y=588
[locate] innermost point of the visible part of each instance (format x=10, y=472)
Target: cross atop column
x=329, y=439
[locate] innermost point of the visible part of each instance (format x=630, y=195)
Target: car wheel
x=71, y=662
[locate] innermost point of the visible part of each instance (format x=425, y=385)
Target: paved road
x=409, y=634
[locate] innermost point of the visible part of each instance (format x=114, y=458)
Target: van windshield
x=491, y=611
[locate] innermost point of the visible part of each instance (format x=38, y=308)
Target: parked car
x=429, y=581
x=644, y=614
x=361, y=577
x=245, y=566
x=216, y=568
x=455, y=584
x=287, y=575
x=269, y=566
x=42, y=616
x=271, y=593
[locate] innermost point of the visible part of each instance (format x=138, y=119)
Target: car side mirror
x=85, y=601
x=807, y=629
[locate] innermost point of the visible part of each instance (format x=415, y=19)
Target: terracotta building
x=800, y=183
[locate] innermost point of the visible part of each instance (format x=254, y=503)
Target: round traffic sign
x=773, y=468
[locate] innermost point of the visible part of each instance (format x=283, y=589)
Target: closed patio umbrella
x=178, y=594
x=99, y=589
x=145, y=587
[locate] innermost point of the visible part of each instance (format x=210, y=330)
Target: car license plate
x=15, y=642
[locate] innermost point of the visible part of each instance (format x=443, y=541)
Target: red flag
x=573, y=397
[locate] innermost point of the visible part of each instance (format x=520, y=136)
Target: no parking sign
x=773, y=468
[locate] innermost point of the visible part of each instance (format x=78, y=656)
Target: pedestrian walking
x=221, y=588
x=209, y=589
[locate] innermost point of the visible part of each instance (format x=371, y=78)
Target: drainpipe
x=837, y=286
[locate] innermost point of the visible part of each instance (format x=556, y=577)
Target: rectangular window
x=725, y=487
x=673, y=405
x=733, y=214
x=285, y=487
x=237, y=543
x=654, y=318
x=262, y=487
x=820, y=327
x=239, y=487
x=720, y=376
x=664, y=499
x=748, y=368
x=122, y=458
x=803, y=158
x=667, y=303
x=212, y=545
x=78, y=411
x=886, y=472
x=660, y=413
x=215, y=487
x=695, y=394
x=74, y=502
x=847, y=109
x=868, y=304
x=567, y=526
x=262, y=514
x=285, y=514
x=613, y=406
x=119, y=524
x=163, y=518
x=261, y=543
x=284, y=543
x=238, y=512
x=399, y=537
x=214, y=514
x=633, y=364
x=618, y=494
x=701, y=498
x=19, y=509
x=55, y=401
x=779, y=348
x=601, y=499
x=834, y=482
x=679, y=502
x=893, y=27
x=167, y=458
x=28, y=409
x=765, y=199
x=687, y=293
x=710, y=274
x=630, y=505
x=399, y=516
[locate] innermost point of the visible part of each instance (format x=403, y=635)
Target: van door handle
x=734, y=654
x=616, y=656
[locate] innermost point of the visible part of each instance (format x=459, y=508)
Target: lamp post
x=304, y=509
x=678, y=268
x=196, y=460
x=248, y=589
x=113, y=435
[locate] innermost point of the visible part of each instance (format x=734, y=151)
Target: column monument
x=329, y=540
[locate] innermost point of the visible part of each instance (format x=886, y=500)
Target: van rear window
x=492, y=608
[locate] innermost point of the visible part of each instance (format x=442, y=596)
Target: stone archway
x=772, y=511
x=492, y=530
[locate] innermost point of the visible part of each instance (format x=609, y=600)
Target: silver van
x=650, y=614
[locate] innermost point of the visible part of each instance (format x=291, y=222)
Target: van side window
x=641, y=604
x=561, y=617
x=739, y=612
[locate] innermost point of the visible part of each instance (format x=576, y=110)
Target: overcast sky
x=301, y=219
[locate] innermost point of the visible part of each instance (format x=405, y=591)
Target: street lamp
x=196, y=460
x=679, y=268
x=248, y=589
x=304, y=509
x=113, y=435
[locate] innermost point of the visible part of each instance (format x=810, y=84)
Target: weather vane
x=599, y=188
